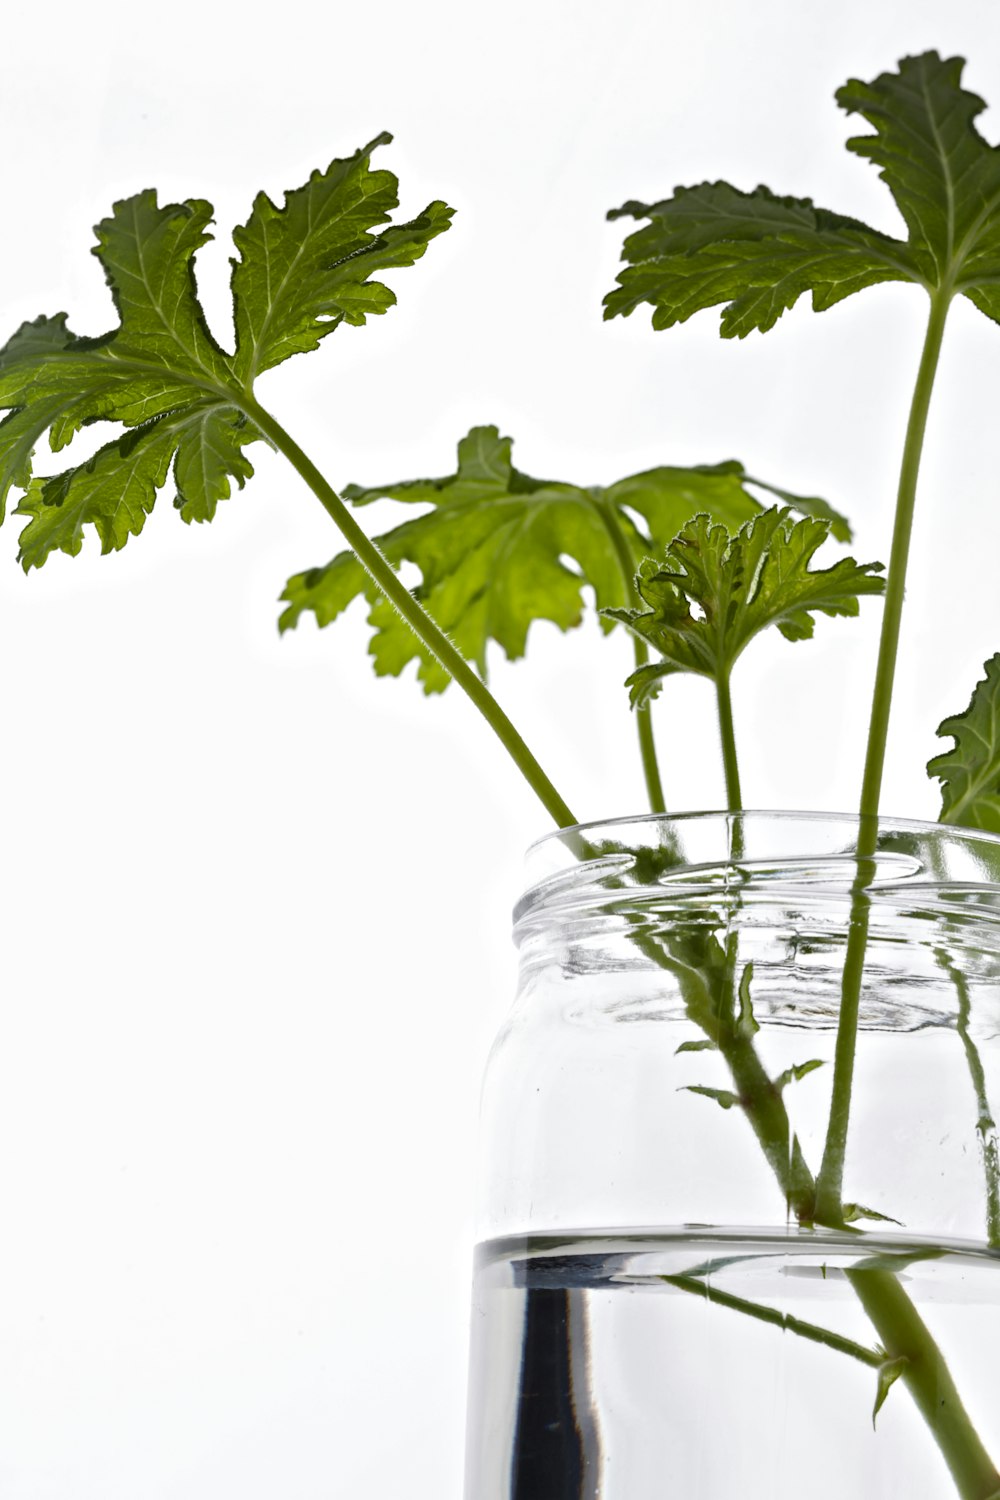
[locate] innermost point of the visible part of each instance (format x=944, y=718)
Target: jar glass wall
x=667, y=1292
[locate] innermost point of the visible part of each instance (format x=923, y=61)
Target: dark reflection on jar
x=556, y=1454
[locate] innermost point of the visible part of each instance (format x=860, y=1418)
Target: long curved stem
x=643, y=716
x=414, y=614
x=831, y=1174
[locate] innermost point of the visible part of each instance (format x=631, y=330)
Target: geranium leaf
x=756, y=253
x=305, y=268
x=714, y=592
x=184, y=402
x=970, y=773
x=498, y=550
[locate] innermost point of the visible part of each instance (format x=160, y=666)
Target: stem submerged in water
x=985, y=1123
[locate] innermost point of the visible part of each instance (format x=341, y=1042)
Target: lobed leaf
x=714, y=592
x=498, y=549
x=970, y=772
x=304, y=268
x=185, y=403
x=756, y=253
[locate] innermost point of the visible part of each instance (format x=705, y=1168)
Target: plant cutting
x=726, y=941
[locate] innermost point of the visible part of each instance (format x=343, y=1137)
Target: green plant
x=498, y=550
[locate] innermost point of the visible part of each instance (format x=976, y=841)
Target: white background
x=256, y=902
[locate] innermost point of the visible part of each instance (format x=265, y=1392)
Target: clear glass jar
x=689, y=1283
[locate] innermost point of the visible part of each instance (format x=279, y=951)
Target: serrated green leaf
x=148, y=257
x=888, y=1373
x=723, y=1097
x=116, y=489
x=756, y=253
x=499, y=549
x=970, y=773
x=714, y=592
x=186, y=403
x=702, y=1046
x=304, y=268
x=209, y=456
x=808, y=505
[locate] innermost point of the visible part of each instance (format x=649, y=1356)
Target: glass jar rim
x=573, y=867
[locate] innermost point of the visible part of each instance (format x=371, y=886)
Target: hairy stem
x=831, y=1175
x=734, y=796
x=643, y=716
x=414, y=614
x=892, y=1314
x=895, y=586
x=905, y=1335
x=647, y=744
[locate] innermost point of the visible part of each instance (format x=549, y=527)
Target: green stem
x=419, y=621
x=734, y=797
x=643, y=716
x=892, y=1314
x=905, y=1335
x=647, y=744
x=778, y=1319
x=885, y=670
x=985, y=1124
x=831, y=1175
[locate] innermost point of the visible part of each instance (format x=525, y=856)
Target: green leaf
x=114, y=491
x=714, y=592
x=304, y=268
x=970, y=773
x=703, y=1046
x=855, y=1211
x=747, y=1024
x=888, y=1373
x=498, y=550
x=185, y=403
x=796, y=1073
x=723, y=1097
x=756, y=253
